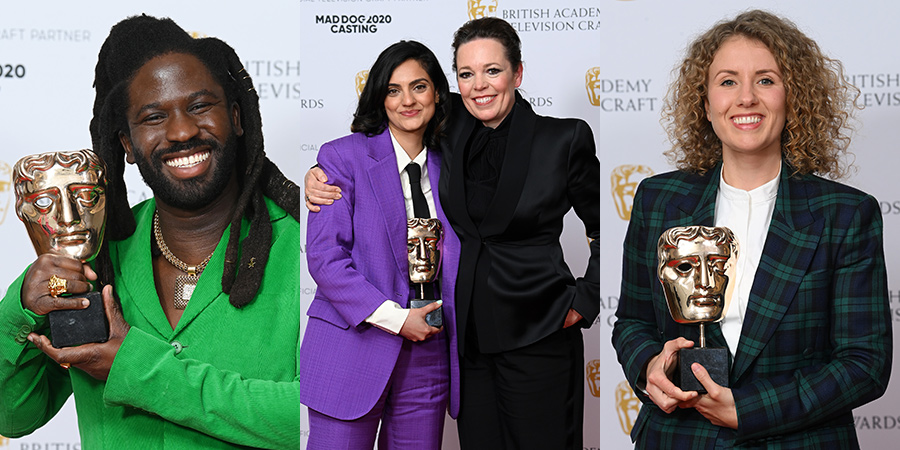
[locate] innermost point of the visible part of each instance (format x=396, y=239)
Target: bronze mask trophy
x=61, y=199
x=697, y=266
x=424, y=255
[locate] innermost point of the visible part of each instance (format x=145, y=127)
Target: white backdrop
x=606, y=61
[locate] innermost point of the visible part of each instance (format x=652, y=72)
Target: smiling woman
x=510, y=177
x=756, y=112
x=487, y=80
x=745, y=105
x=359, y=255
x=410, y=105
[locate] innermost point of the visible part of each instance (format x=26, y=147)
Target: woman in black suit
x=520, y=309
x=509, y=177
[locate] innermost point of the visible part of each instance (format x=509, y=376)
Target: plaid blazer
x=816, y=339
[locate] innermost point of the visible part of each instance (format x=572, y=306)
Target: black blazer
x=511, y=266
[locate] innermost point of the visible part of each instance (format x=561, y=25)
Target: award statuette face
x=697, y=267
x=424, y=255
x=61, y=199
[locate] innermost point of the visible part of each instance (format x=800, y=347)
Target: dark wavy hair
x=131, y=44
x=490, y=28
x=371, y=118
x=819, y=100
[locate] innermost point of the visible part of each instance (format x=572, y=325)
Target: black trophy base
x=72, y=327
x=434, y=318
x=714, y=360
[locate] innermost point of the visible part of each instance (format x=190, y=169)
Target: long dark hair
x=370, y=117
x=131, y=44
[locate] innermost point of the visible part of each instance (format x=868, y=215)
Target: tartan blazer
x=816, y=339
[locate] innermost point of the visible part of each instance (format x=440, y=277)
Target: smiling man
x=203, y=332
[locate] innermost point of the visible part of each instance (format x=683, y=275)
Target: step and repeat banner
x=605, y=61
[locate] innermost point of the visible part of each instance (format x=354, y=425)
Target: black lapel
x=461, y=129
x=513, y=172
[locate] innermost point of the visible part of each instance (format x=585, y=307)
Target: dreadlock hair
x=131, y=44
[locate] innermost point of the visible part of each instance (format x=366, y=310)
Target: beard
x=194, y=193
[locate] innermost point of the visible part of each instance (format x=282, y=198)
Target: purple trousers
x=411, y=408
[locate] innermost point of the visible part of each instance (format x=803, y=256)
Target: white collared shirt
x=402, y=161
x=748, y=215
x=390, y=316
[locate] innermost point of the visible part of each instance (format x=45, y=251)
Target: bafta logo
x=424, y=249
x=197, y=34
x=593, y=377
x=627, y=406
x=697, y=267
x=61, y=200
x=481, y=8
x=361, y=77
x=5, y=189
x=592, y=85
x=625, y=179
x=4, y=441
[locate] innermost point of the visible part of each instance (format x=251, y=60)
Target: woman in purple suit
x=367, y=357
x=510, y=176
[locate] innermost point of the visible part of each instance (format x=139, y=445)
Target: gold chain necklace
x=184, y=284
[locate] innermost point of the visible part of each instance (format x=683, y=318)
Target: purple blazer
x=356, y=250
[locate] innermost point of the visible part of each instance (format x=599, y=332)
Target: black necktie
x=420, y=205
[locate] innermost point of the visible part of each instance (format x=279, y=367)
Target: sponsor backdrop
x=606, y=61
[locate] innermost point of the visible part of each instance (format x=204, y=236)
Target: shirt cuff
x=389, y=317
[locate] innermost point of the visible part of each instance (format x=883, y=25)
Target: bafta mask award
x=697, y=267
x=424, y=255
x=61, y=199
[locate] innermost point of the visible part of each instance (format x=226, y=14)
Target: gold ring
x=65, y=365
x=57, y=286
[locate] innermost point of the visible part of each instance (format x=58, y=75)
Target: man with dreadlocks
x=203, y=332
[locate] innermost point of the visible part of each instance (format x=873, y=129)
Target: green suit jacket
x=223, y=378
x=816, y=339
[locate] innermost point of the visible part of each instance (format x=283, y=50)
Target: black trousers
x=528, y=398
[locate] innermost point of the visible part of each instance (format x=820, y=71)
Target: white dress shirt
x=748, y=214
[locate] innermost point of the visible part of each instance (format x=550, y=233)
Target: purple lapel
x=385, y=181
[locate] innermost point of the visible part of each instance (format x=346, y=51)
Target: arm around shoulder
x=329, y=242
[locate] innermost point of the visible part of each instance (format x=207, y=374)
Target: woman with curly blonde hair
x=816, y=132
x=756, y=115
